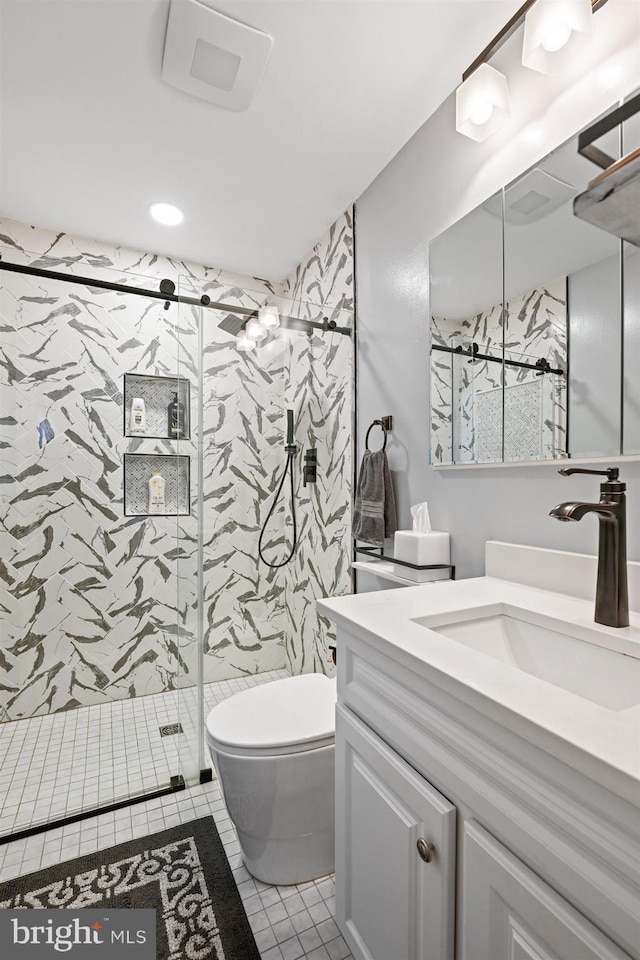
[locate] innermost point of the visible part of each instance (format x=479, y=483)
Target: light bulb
x=481, y=112
x=244, y=343
x=556, y=37
x=554, y=32
x=482, y=103
x=269, y=316
x=255, y=330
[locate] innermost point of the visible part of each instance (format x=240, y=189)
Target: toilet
x=273, y=749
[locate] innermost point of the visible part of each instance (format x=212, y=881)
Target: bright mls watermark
x=33, y=934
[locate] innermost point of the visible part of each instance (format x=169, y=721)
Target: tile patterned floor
x=61, y=764
x=289, y=923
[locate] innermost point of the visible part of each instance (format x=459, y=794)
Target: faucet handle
x=611, y=473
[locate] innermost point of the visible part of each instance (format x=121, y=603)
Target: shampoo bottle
x=138, y=418
x=176, y=418
x=156, y=493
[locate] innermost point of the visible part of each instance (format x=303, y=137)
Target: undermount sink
x=546, y=650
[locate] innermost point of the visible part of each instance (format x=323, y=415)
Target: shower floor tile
x=289, y=923
x=63, y=764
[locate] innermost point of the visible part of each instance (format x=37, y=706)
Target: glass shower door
x=89, y=622
x=186, y=425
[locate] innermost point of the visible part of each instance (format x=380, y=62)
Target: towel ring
x=376, y=423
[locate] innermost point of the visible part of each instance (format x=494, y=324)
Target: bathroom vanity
x=488, y=767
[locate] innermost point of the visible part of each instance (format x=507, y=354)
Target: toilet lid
x=282, y=713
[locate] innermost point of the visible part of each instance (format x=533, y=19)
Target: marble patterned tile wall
x=319, y=386
x=243, y=429
x=97, y=606
x=326, y=274
x=100, y=606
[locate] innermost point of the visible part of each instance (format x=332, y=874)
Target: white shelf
x=384, y=570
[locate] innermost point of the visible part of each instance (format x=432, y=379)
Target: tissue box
x=421, y=549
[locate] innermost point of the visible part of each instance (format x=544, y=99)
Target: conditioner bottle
x=138, y=418
x=156, y=493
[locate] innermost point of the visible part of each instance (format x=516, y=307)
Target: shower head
x=232, y=324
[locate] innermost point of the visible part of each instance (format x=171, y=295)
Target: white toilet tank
x=273, y=749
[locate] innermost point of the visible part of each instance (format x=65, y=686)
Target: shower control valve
x=310, y=466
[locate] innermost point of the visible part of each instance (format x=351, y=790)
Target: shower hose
x=288, y=468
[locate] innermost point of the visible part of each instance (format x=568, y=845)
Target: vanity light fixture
x=255, y=330
x=482, y=103
x=166, y=214
x=244, y=343
x=552, y=27
x=269, y=316
x=553, y=30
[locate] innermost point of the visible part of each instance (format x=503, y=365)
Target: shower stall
x=124, y=620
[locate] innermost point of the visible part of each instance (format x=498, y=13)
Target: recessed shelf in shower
x=157, y=393
x=175, y=470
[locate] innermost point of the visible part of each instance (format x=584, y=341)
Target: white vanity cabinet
x=395, y=852
x=530, y=860
x=509, y=912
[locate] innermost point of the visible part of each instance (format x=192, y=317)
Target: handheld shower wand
x=290, y=450
x=289, y=429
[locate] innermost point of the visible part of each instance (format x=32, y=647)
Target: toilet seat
x=288, y=716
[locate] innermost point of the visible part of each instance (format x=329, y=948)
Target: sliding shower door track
x=167, y=294
x=177, y=784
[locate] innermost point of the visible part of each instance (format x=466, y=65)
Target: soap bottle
x=156, y=493
x=138, y=417
x=176, y=418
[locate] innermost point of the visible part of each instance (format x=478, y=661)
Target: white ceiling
x=91, y=135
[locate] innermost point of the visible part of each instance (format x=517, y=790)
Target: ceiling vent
x=212, y=56
x=533, y=197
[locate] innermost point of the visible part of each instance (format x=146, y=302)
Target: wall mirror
x=535, y=321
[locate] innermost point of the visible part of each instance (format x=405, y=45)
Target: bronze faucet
x=612, y=598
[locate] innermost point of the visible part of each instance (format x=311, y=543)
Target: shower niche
x=157, y=394
x=174, y=470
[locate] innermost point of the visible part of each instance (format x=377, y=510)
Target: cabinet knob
x=426, y=850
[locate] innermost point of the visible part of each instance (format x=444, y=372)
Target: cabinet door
x=509, y=913
x=390, y=903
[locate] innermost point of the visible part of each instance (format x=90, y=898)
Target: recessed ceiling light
x=166, y=214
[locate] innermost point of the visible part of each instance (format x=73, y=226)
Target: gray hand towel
x=374, y=515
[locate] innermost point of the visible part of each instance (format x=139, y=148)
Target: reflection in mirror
x=466, y=339
x=527, y=323
x=498, y=367
x=547, y=247
x=535, y=368
x=631, y=316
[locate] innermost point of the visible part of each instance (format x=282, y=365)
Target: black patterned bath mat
x=182, y=873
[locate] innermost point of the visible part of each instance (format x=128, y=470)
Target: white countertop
x=602, y=743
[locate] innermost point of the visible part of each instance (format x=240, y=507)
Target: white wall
x=438, y=177
x=631, y=411
x=594, y=355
